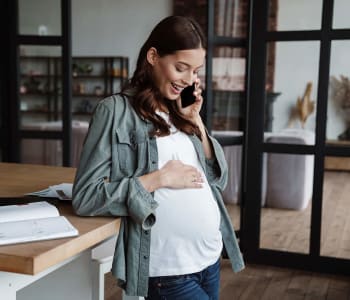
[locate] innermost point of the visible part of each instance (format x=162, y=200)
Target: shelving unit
x=94, y=78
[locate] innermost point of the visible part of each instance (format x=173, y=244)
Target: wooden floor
x=290, y=230
x=267, y=283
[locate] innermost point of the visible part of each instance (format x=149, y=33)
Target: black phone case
x=187, y=97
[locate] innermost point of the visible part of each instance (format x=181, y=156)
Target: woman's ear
x=152, y=55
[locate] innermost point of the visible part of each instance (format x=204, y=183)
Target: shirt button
x=146, y=232
x=145, y=257
x=153, y=162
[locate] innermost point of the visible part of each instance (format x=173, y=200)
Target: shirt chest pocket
x=131, y=150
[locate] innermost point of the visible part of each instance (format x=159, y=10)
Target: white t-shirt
x=186, y=236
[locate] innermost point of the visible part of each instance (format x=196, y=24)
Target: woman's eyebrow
x=188, y=65
x=184, y=63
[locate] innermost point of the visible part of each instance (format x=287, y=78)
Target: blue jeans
x=203, y=285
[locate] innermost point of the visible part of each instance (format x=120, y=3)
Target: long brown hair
x=172, y=34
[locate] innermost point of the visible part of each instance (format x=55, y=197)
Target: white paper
x=33, y=222
x=61, y=191
x=35, y=230
x=34, y=210
x=44, y=193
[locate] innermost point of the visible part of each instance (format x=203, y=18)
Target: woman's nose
x=190, y=78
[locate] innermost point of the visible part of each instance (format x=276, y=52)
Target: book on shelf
x=34, y=221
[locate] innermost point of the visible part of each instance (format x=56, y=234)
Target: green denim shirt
x=117, y=150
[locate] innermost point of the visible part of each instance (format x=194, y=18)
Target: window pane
x=39, y=87
x=231, y=18
x=295, y=15
x=341, y=14
x=286, y=204
x=338, y=115
x=335, y=241
x=39, y=17
x=228, y=82
x=292, y=76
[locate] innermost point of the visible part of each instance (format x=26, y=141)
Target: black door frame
x=15, y=41
x=214, y=41
x=255, y=147
x=5, y=82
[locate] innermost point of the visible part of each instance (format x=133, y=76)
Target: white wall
x=340, y=65
x=33, y=13
x=115, y=27
x=103, y=27
x=298, y=62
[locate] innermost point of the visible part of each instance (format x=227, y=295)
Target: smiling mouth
x=177, y=87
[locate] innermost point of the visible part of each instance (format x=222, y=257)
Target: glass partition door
x=295, y=216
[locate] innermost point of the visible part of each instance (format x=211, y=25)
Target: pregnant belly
x=186, y=213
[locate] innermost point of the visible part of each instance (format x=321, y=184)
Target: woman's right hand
x=175, y=175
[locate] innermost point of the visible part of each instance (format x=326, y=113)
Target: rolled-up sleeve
x=216, y=167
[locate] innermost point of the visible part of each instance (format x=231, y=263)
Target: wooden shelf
x=81, y=113
x=89, y=95
x=58, y=112
x=33, y=111
x=337, y=143
x=36, y=94
x=37, y=75
x=89, y=76
x=336, y=163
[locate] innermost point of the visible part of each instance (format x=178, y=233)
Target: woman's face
x=176, y=71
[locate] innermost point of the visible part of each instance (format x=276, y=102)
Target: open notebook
x=33, y=222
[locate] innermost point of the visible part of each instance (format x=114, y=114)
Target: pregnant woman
x=151, y=162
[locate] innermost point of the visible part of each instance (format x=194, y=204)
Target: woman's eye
x=179, y=69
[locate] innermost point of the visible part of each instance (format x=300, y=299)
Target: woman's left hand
x=191, y=112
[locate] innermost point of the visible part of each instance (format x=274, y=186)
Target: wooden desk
x=39, y=259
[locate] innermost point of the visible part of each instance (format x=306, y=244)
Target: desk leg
x=70, y=279
x=98, y=280
x=8, y=294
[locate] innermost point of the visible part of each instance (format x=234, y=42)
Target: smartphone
x=187, y=97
